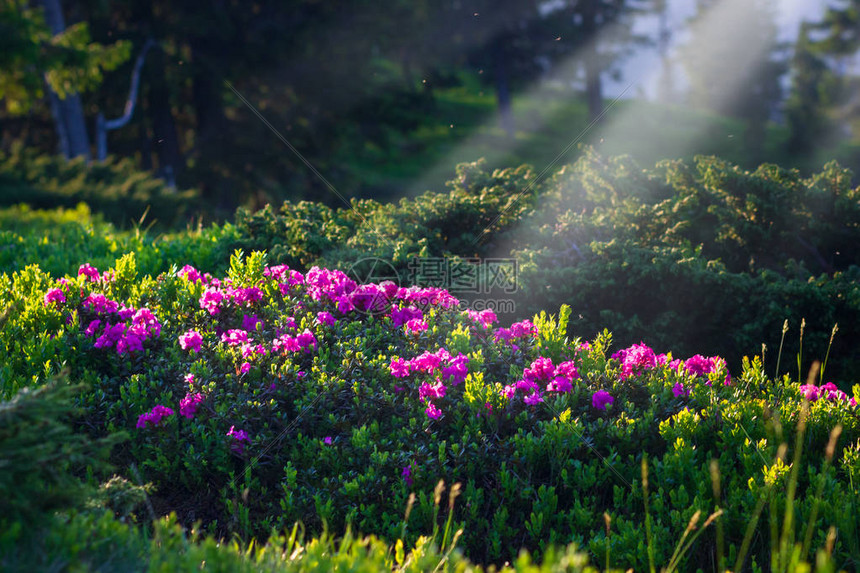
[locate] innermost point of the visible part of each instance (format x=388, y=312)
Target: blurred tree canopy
x=348, y=83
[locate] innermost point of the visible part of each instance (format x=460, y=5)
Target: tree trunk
x=503, y=91
x=68, y=113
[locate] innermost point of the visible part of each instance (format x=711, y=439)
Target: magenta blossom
x=429, y=391
x=399, y=367
x=635, y=360
x=406, y=474
x=250, y=322
x=325, y=318
x=401, y=316
x=533, y=399
x=100, y=304
x=416, y=325
x=55, y=296
x=559, y=384
x=600, y=399
x=188, y=405
x=191, y=340
x=567, y=370
x=190, y=274
x=211, y=300
x=234, y=337
x=433, y=412
x=678, y=390
x=239, y=439
x=327, y=440
x=154, y=417
x=540, y=370
x=89, y=271
x=485, y=318
x=457, y=369
x=92, y=327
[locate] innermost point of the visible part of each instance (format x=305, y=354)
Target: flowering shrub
x=268, y=395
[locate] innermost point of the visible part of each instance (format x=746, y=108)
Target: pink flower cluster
x=192, y=275
x=485, y=318
x=401, y=316
x=600, y=399
x=240, y=437
x=191, y=340
x=637, y=359
x=287, y=343
x=524, y=329
x=124, y=335
x=325, y=318
x=93, y=276
x=541, y=371
x=54, y=296
x=447, y=368
x=154, y=416
x=828, y=392
x=188, y=405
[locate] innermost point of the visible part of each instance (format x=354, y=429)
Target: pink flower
x=327, y=440
x=429, y=391
x=567, y=370
x=306, y=340
x=523, y=329
x=239, y=437
x=810, y=392
x=154, y=416
x=188, y=405
x=503, y=334
x=401, y=316
x=100, y=304
x=406, y=474
x=678, y=390
x=55, y=296
x=527, y=386
x=433, y=412
x=698, y=365
x=559, y=384
x=325, y=318
x=246, y=366
x=89, y=271
x=416, y=325
x=600, y=399
x=399, y=367
x=111, y=335
x=457, y=369
x=533, y=399
x=191, y=340
x=129, y=342
x=540, y=370
x=234, y=337
x=190, y=273
x=250, y=322
x=92, y=327
x=211, y=300
x=635, y=360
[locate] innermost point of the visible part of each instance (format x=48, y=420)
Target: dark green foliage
x=115, y=189
x=40, y=454
x=698, y=257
